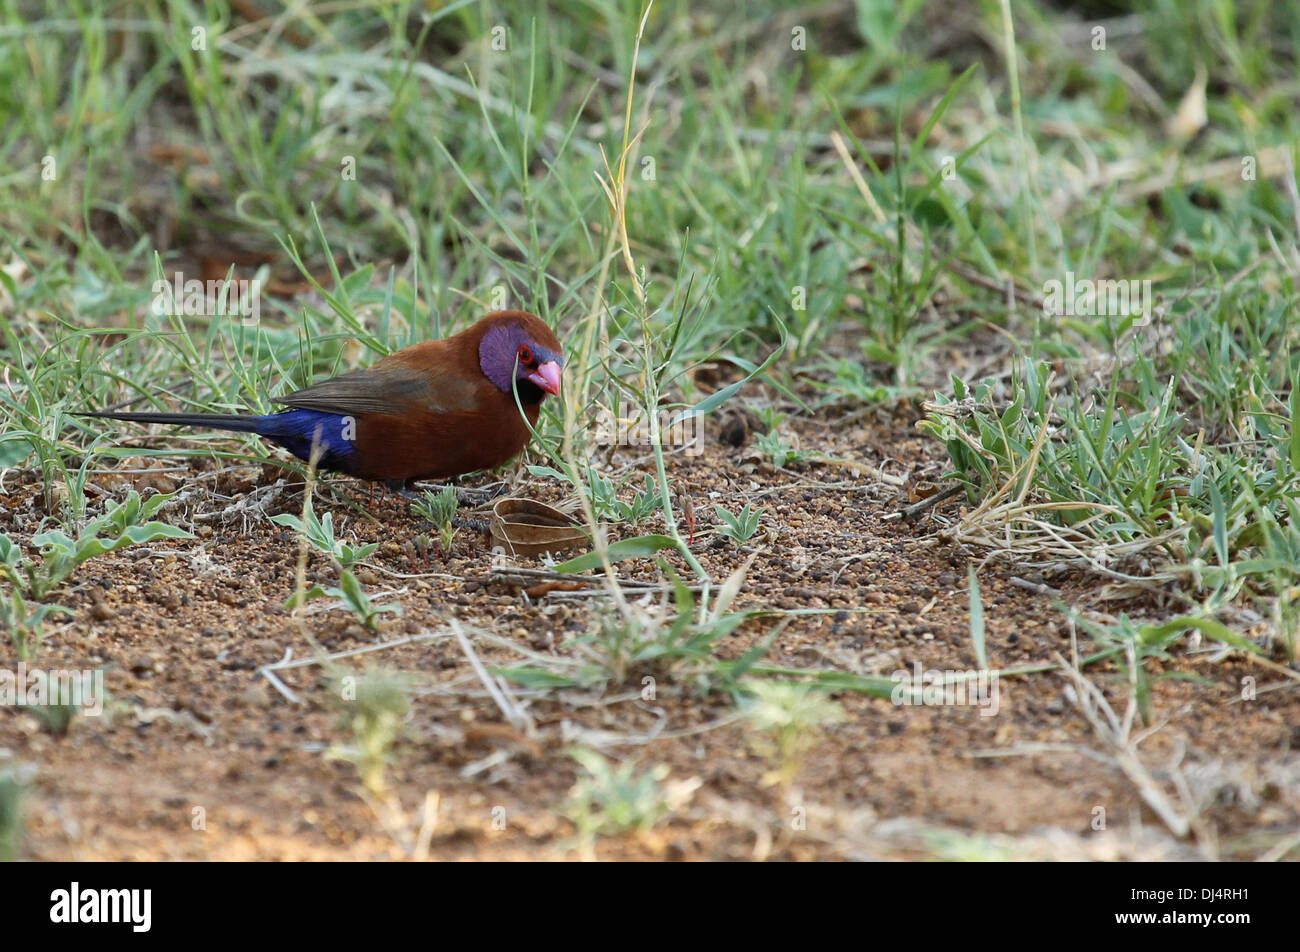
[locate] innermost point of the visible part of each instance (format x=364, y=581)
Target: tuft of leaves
x=352, y=595
x=319, y=531
x=740, y=527
x=440, y=510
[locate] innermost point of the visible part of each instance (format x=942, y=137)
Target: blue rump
x=297, y=430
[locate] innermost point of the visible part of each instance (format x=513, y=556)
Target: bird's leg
x=399, y=487
x=688, y=510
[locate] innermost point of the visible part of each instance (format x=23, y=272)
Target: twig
x=1115, y=733
x=910, y=513
x=497, y=688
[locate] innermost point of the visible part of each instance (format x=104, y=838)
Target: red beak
x=547, y=377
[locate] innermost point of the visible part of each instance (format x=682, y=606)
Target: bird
x=435, y=410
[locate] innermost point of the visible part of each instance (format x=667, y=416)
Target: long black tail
x=216, y=421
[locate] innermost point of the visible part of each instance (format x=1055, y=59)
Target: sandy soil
x=181, y=628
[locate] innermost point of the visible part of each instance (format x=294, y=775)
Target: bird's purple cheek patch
x=547, y=376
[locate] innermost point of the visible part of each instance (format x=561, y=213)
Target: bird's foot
x=481, y=526
x=400, y=488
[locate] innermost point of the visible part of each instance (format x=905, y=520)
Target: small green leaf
x=154, y=530
x=296, y=599
x=351, y=589
x=715, y=400
x=638, y=548
x=13, y=450
x=1152, y=634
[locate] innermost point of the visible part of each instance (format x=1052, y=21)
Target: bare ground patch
x=181, y=628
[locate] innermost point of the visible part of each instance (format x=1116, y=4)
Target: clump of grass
x=122, y=524
x=1131, y=645
x=440, y=510
x=675, y=642
x=772, y=445
x=789, y=720
x=1123, y=486
x=32, y=580
x=610, y=799
x=24, y=621
x=742, y=526
x=352, y=594
x=57, y=716
x=319, y=531
x=374, y=705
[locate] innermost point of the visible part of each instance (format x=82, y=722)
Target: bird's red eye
x=525, y=354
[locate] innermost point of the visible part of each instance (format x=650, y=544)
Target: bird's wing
x=377, y=390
